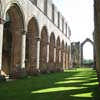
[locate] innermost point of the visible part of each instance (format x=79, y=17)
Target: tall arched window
x=45, y=7
x=62, y=24
x=66, y=29
x=58, y=19
x=53, y=13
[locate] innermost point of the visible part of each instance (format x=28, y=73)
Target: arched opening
x=31, y=45
x=43, y=49
x=58, y=48
x=51, y=49
x=12, y=38
x=88, y=53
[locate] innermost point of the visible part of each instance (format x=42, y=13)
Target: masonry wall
x=31, y=12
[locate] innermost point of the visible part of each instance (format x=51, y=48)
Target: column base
x=18, y=73
x=51, y=67
x=59, y=68
x=33, y=71
x=44, y=68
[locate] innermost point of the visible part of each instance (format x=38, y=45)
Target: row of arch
x=39, y=52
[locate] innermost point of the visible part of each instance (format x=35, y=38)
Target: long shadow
x=44, y=87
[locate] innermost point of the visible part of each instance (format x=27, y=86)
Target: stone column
x=38, y=53
x=59, y=56
x=23, y=49
x=47, y=52
x=1, y=41
x=63, y=60
x=70, y=61
x=66, y=58
x=81, y=55
x=54, y=54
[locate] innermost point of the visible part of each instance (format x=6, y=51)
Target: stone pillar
x=81, y=54
x=47, y=52
x=59, y=56
x=66, y=58
x=54, y=54
x=23, y=49
x=1, y=41
x=63, y=60
x=38, y=53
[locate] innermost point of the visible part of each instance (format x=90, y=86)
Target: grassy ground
x=77, y=84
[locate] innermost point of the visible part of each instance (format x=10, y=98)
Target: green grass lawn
x=77, y=84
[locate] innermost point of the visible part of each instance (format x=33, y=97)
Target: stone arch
x=58, y=49
x=31, y=45
x=10, y=4
x=43, y=49
x=51, y=49
x=82, y=44
x=12, y=39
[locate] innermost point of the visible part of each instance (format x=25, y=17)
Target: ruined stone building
x=33, y=37
x=76, y=53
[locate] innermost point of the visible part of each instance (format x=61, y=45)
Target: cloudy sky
x=79, y=14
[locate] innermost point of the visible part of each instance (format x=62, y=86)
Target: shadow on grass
x=69, y=85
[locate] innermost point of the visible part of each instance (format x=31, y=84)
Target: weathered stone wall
x=75, y=53
x=34, y=18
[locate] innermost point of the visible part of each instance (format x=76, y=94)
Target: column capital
x=24, y=32
x=47, y=43
x=38, y=38
x=55, y=46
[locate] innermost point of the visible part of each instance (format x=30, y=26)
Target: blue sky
x=79, y=15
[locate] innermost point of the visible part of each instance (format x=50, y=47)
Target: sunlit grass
x=69, y=81
x=93, y=83
x=56, y=89
x=75, y=77
x=83, y=95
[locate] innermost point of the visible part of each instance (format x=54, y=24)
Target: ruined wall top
x=51, y=11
